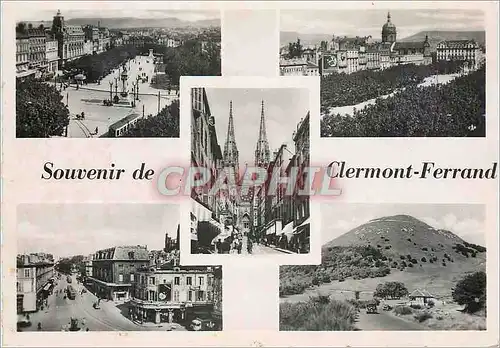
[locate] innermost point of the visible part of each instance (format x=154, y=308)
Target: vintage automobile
x=371, y=308
x=201, y=325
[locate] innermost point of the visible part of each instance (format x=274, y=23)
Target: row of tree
x=95, y=67
x=340, y=89
x=453, y=110
x=163, y=125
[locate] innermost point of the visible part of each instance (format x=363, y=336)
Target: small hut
x=421, y=297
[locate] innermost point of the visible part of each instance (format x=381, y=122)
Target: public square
x=88, y=98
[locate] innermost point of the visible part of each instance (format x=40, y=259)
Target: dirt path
x=384, y=321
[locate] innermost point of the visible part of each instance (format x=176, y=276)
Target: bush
x=423, y=259
x=470, y=291
x=422, y=316
x=317, y=316
x=416, y=306
x=402, y=310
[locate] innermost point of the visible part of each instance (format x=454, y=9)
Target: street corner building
x=113, y=270
x=35, y=281
x=170, y=292
x=244, y=218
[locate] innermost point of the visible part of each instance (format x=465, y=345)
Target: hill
x=401, y=246
x=130, y=22
x=436, y=36
x=171, y=22
x=306, y=39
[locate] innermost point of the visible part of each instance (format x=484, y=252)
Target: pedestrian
x=39, y=326
x=87, y=329
x=239, y=246
x=218, y=246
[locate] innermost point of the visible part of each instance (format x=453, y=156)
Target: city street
x=109, y=317
x=89, y=99
x=258, y=249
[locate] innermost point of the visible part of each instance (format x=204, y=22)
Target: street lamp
x=116, y=86
x=137, y=95
x=110, y=90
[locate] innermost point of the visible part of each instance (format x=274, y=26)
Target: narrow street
x=109, y=317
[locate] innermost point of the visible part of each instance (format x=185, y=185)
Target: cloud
x=469, y=229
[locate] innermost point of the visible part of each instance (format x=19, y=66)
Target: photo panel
x=250, y=194
x=392, y=267
x=397, y=72
x=85, y=267
x=114, y=73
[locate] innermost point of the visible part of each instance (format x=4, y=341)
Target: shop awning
x=301, y=227
x=288, y=229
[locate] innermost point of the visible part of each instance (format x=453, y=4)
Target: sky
x=82, y=229
x=33, y=13
x=369, y=22
x=283, y=110
x=465, y=220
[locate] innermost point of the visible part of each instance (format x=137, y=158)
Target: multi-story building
x=205, y=154
x=352, y=54
x=70, y=38
x=23, y=55
x=466, y=51
x=88, y=265
x=298, y=67
x=301, y=212
x=37, y=48
x=51, y=55
x=113, y=270
x=171, y=293
x=35, y=274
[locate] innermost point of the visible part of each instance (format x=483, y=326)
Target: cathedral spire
x=262, y=150
x=230, y=149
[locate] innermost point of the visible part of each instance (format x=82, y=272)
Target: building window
x=151, y=280
x=200, y=281
x=120, y=277
x=177, y=281
x=131, y=277
x=201, y=296
x=190, y=296
x=27, y=272
x=189, y=281
x=176, y=296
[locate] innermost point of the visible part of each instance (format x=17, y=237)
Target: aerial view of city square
x=89, y=74
x=401, y=73
x=85, y=267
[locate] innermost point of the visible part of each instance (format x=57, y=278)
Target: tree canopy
x=393, y=290
x=163, y=125
x=40, y=111
x=470, y=291
x=295, y=49
x=455, y=109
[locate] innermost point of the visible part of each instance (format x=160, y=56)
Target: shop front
x=273, y=232
x=301, y=238
x=157, y=312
